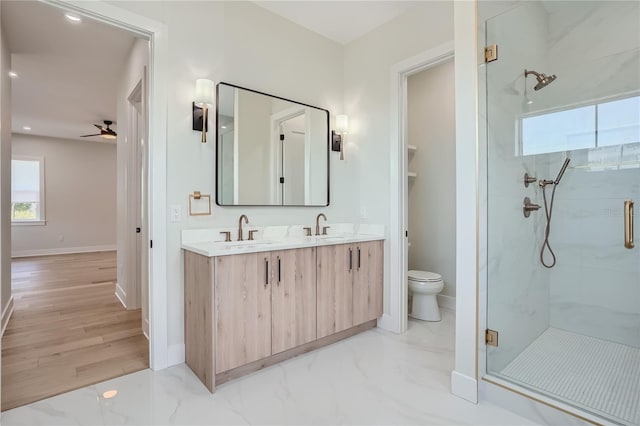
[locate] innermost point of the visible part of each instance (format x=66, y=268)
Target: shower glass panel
x=572, y=331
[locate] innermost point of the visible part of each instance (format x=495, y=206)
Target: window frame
x=42, y=220
x=593, y=102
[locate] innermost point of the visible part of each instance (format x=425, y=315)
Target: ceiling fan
x=105, y=131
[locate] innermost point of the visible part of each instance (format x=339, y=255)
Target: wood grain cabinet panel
x=334, y=292
x=367, y=281
x=293, y=298
x=199, y=317
x=242, y=309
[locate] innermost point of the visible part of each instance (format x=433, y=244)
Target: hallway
x=68, y=329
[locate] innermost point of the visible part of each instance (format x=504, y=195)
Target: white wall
x=5, y=175
x=594, y=286
x=244, y=44
x=80, y=197
x=367, y=70
x=432, y=194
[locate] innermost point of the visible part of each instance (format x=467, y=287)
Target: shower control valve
x=528, y=179
x=528, y=207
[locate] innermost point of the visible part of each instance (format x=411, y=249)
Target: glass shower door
x=563, y=108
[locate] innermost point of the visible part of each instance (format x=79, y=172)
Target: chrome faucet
x=318, y=222
x=246, y=220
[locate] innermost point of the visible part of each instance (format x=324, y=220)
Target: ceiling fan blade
x=86, y=136
x=99, y=127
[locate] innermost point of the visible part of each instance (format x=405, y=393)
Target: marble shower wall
x=594, y=48
x=518, y=287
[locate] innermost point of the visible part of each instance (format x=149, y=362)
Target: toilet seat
x=424, y=276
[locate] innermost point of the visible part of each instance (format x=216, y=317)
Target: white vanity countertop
x=200, y=241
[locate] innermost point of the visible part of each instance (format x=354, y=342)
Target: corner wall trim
x=121, y=295
x=6, y=315
x=175, y=354
x=62, y=250
x=446, y=302
x=464, y=386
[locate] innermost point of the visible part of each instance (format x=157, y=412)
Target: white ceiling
x=68, y=73
x=341, y=21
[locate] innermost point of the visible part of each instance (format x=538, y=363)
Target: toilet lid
x=424, y=276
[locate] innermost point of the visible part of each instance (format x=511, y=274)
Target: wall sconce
x=203, y=100
x=337, y=135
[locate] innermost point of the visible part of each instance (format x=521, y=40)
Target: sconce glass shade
x=204, y=92
x=342, y=123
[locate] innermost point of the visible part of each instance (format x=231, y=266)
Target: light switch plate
x=363, y=212
x=176, y=213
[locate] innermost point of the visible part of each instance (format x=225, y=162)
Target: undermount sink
x=246, y=244
x=329, y=237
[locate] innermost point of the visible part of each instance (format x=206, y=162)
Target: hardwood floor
x=68, y=329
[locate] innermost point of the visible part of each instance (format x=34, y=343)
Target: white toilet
x=424, y=286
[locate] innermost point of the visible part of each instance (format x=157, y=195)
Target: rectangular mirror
x=270, y=151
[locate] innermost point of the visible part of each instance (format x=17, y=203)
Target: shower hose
x=548, y=210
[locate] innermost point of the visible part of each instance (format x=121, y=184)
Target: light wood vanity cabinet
x=247, y=311
x=265, y=303
x=349, y=285
x=242, y=309
x=293, y=298
x=367, y=281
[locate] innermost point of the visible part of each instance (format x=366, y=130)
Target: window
x=27, y=190
x=609, y=131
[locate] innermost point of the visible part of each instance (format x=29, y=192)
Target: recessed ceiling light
x=26, y=128
x=73, y=18
x=13, y=74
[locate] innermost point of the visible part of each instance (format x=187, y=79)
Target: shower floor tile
x=599, y=375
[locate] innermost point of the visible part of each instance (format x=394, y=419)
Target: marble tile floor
x=375, y=377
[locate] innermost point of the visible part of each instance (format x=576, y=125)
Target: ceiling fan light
x=108, y=136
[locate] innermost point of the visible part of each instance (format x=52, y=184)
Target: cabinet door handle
x=266, y=272
x=358, y=257
x=350, y=260
x=279, y=269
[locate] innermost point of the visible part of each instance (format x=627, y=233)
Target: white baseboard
x=388, y=323
x=6, y=315
x=175, y=354
x=464, y=386
x=145, y=327
x=121, y=295
x=447, y=302
x=62, y=250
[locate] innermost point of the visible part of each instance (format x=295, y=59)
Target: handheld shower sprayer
x=548, y=208
x=545, y=182
x=562, y=170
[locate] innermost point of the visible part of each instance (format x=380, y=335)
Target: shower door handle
x=628, y=224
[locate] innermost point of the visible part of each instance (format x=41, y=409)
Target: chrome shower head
x=543, y=79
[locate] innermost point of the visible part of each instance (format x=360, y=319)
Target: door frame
x=157, y=94
x=396, y=282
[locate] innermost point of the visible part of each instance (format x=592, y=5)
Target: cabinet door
x=335, y=292
x=243, y=309
x=367, y=281
x=293, y=298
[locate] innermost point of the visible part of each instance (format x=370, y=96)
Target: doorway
x=136, y=172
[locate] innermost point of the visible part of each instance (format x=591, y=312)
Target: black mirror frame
x=327, y=139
